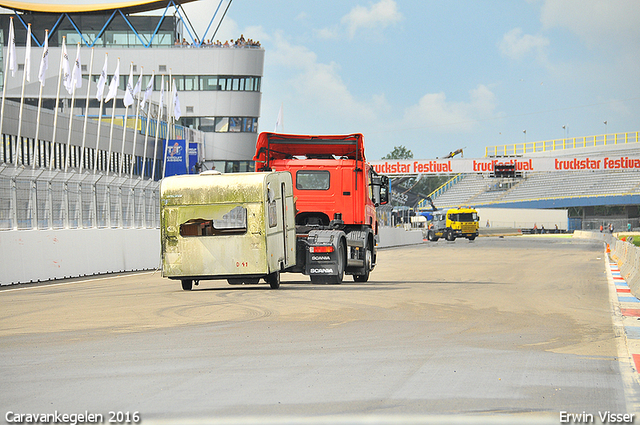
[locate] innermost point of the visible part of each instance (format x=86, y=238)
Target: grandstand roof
x=69, y=6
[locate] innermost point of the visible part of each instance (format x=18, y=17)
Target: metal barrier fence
x=52, y=199
x=561, y=144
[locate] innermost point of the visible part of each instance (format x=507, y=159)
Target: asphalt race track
x=498, y=330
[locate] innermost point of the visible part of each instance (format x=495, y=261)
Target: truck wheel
x=431, y=236
x=273, y=280
x=451, y=237
x=187, y=284
x=337, y=279
x=472, y=237
x=367, y=267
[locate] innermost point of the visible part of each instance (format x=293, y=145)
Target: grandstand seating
x=483, y=190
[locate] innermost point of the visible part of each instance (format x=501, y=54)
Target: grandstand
x=586, y=190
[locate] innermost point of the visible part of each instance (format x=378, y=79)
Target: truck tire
x=450, y=236
x=471, y=237
x=273, y=280
x=432, y=236
x=368, y=254
x=187, y=284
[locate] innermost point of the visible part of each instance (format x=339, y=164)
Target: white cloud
x=433, y=110
x=379, y=15
x=597, y=22
x=320, y=85
x=517, y=45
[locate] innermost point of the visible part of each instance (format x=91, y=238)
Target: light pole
x=525, y=136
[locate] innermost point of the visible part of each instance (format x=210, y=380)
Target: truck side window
x=312, y=179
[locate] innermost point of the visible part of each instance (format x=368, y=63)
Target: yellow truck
x=462, y=222
x=239, y=227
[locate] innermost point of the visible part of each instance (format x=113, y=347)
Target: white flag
x=66, y=74
x=44, y=63
x=161, y=97
x=148, y=90
x=128, y=93
x=76, y=76
x=27, y=56
x=138, y=86
x=115, y=81
x=102, y=80
x=176, y=102
x=279, y=120
x=12, y=49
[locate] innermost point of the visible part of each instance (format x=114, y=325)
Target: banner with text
x=487, y=165
x=193, y=158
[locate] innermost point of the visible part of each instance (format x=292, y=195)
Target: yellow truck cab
x=461, y=222
x=239, y=227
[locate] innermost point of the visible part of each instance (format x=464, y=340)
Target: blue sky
x=436, y=76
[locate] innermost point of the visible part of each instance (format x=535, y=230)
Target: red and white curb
x=626, y=322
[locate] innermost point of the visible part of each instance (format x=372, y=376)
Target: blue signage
x=193, y=158
x=175, y=158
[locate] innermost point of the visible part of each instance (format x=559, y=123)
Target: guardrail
x=625, y=254
x=561, y=144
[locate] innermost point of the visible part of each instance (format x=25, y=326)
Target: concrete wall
x=397, y=236
x=522, y=218
x=625, y=254
x=39, y=255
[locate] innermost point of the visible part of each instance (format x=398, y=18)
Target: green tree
x=425, y=185
x=399, y=152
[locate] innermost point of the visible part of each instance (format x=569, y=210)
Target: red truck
x=336, y=193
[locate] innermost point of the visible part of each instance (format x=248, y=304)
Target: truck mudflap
x=325, y=253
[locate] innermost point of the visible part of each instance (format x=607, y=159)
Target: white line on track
x=40, y=285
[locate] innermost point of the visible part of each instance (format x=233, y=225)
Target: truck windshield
x=234, y=222
x=312, y=179
x=464, y=217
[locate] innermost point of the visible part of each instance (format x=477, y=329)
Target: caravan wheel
x=273, y=280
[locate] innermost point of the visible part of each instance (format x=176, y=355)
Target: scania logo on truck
x=320, y=257
x=321, y=271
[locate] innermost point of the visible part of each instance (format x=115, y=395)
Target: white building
x=219, y=88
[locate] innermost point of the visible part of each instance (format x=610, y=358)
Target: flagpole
x=95, y=163
x=55, y=115
x=135, y=129
x=155, y=149
x=113, y=111
x=169, y=129
x=146, y=130
x=124, y=122
x=86, y=114
x=27, y=65
x=44, y=64
x=73, y=99
x=6, y=71
x=146, y=138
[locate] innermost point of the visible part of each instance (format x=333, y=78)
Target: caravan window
x=232, y=223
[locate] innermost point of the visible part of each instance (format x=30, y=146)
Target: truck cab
x=462, y=222
x=336, y=193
